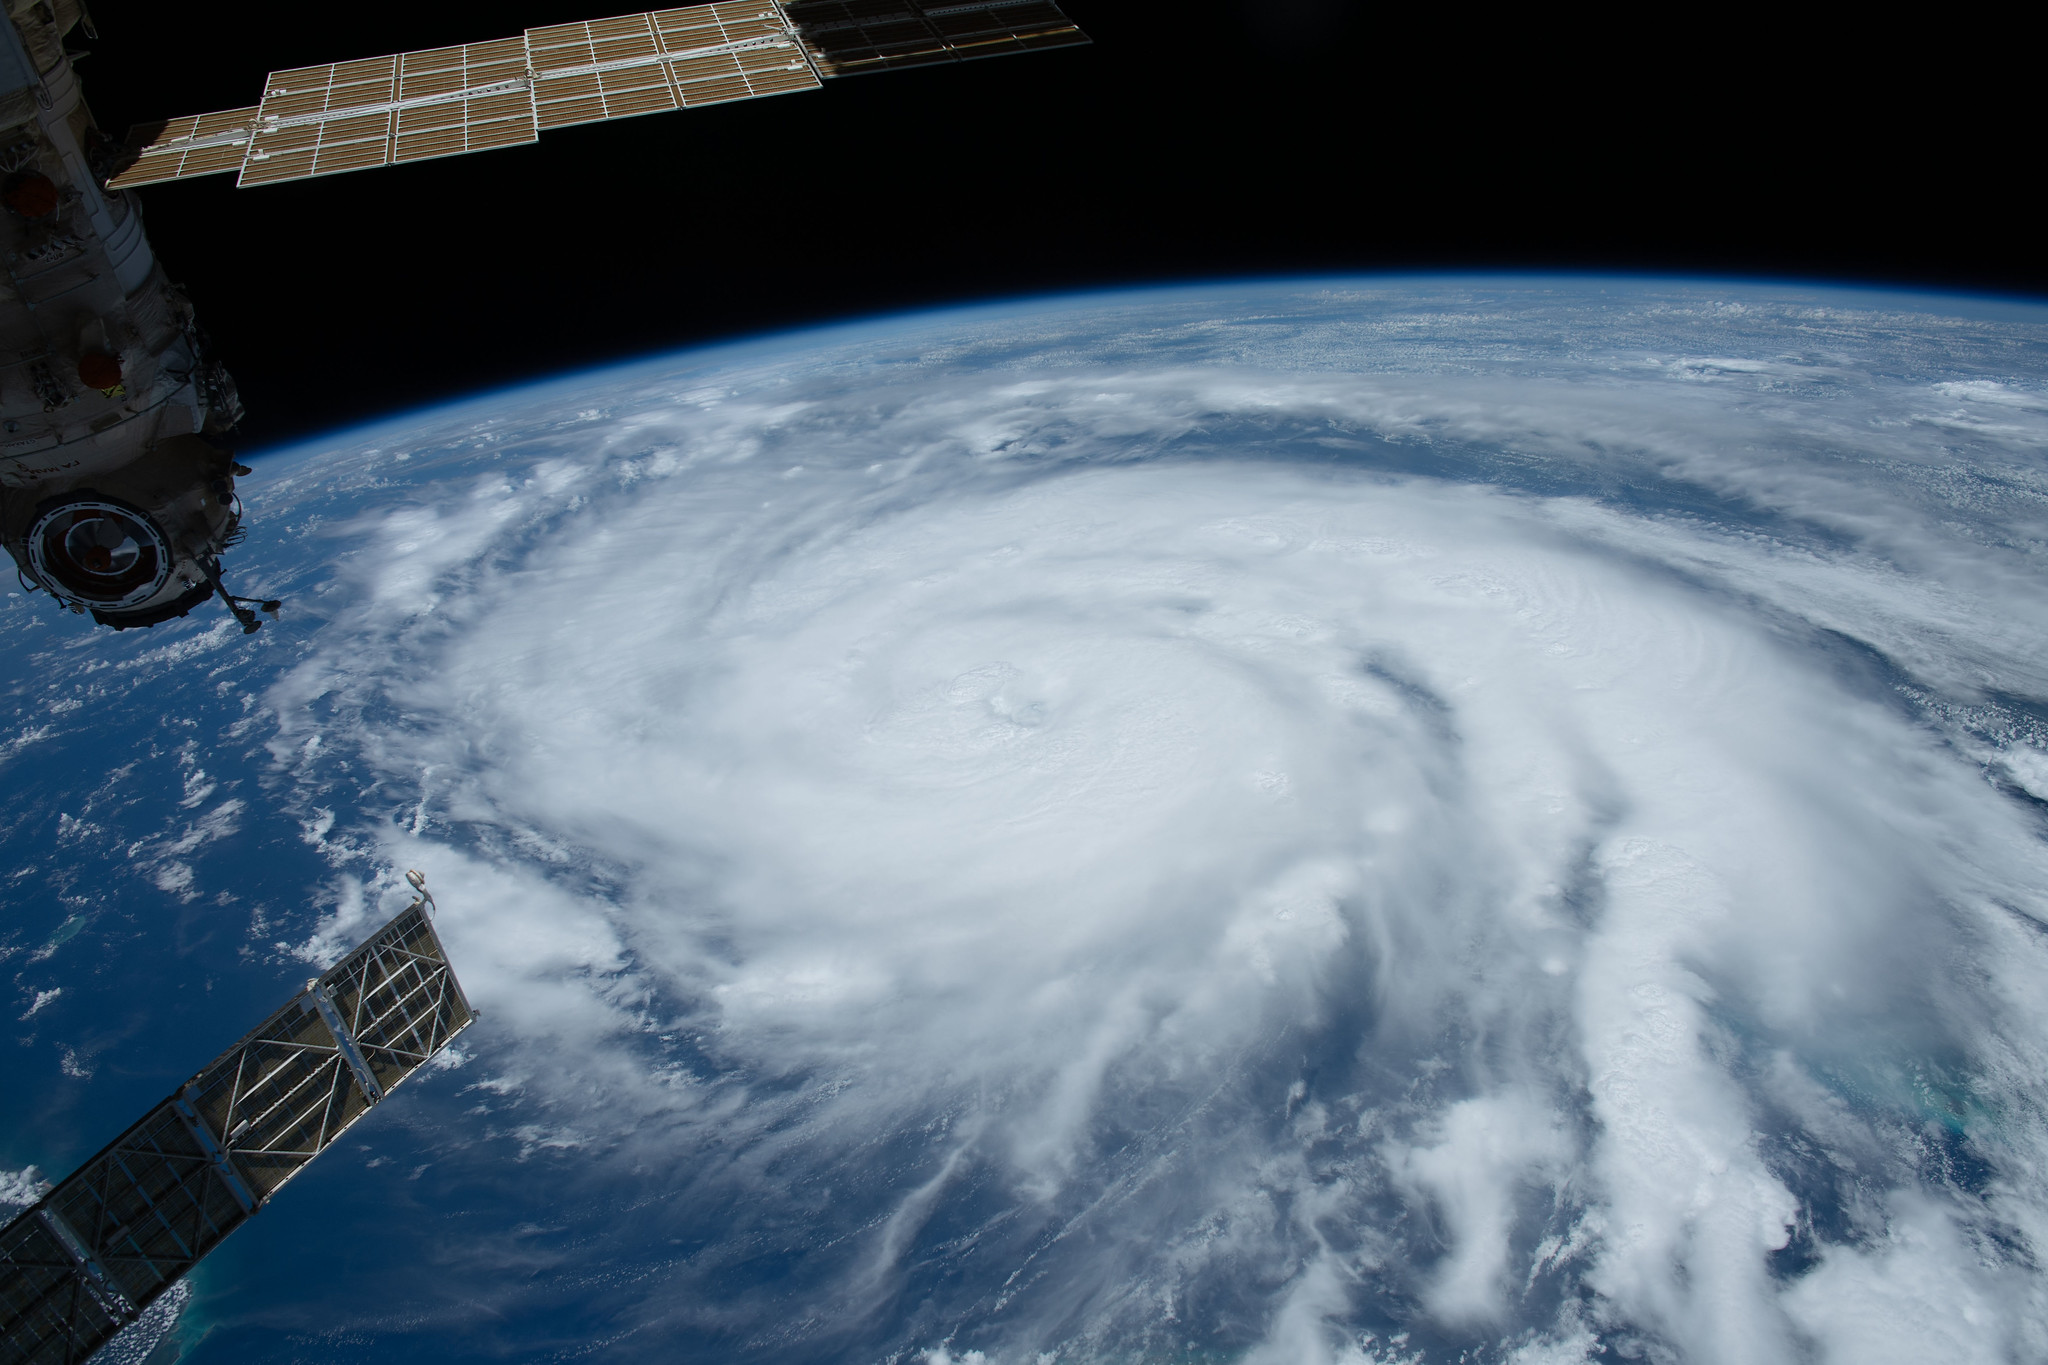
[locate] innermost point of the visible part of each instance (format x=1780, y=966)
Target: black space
x=1213, y=137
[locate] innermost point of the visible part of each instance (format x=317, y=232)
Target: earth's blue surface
x=1354, y=820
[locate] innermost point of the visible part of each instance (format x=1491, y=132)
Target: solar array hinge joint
x=216, y=1151
x=97, y=1281
x=345, y=1041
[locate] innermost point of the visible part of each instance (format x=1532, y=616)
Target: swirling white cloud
x=1360, y=844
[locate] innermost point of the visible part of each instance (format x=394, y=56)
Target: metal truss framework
x=96, y=1250
x=410, y=106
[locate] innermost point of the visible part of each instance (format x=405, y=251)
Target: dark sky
x=1212, y=137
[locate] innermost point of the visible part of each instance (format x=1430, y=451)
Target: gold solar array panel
x=502, y=117
x=659, y=60
x=571, y=84
x=180, y=148
x=411, y=106
x=774, y=65
x=347, y=108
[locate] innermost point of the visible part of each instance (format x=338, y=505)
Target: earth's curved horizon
x=1367, y=819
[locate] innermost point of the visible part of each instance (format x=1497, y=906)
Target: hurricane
x=1337, y=821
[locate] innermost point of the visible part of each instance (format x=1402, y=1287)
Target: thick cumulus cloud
x=1357, y=841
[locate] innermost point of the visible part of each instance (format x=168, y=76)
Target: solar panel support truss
x=379, y=111
x=94, y=1252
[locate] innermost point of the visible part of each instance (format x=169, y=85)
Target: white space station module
x=116, y=496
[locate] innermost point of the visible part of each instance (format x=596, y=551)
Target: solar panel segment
x=413, y=106
x=572, y=84
x=180, y=148
x=100, y=1247
x=762, y=57
x=319, y=120
x=659, y=60
x=851, y=37
x=502, y=117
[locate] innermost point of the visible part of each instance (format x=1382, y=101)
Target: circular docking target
x=104, y=553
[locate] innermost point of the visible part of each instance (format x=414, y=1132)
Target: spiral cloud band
x=1416, y=823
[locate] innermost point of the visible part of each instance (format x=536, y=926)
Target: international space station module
x=112, y=499
x=116, y=494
